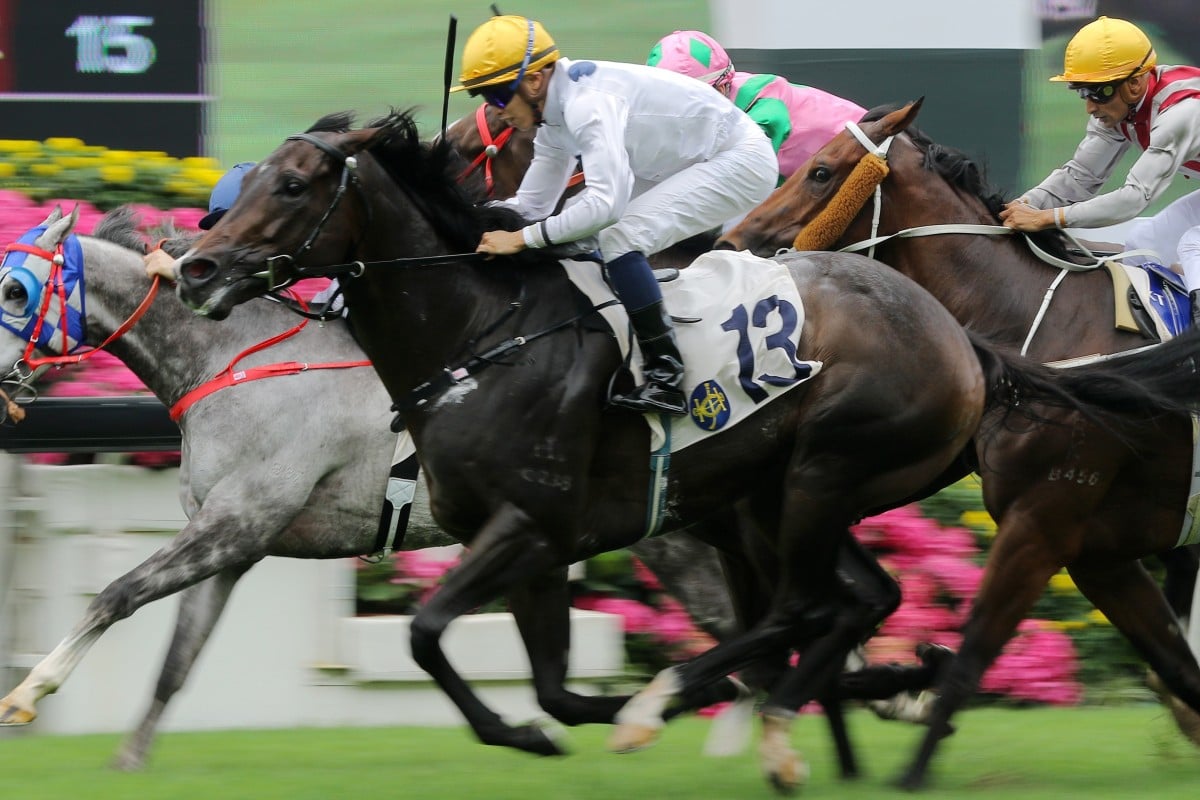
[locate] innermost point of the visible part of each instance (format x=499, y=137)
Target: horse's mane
x=957, y=169
x=122, y=226
x=429, y=171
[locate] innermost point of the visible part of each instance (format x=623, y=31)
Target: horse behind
x=500, y=373
x=1074, y=496
x=237, y=443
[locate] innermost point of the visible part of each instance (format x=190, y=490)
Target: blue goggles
x=499, y=96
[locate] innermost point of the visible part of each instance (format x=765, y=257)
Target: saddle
x=1149, y=299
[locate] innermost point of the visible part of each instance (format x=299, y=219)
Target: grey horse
x=291, y=466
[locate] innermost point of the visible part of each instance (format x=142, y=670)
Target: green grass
x=1091, y=753
x=281, y=64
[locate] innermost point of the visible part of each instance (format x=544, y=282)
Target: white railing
x=287, y=652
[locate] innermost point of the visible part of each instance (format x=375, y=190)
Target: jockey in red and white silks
x=1134, y=102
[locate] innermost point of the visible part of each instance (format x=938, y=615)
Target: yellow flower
x=65, y=143
x=76, y=162
x=45, y=170
x=19, y=146
x=120, y=156
x=7, y=170
x=1063, y=583
x=1068, y=625
x=979, y=519
x=200, y=162
x=1096, y=617
x=118, y=173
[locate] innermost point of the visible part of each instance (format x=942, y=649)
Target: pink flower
x=636, y=617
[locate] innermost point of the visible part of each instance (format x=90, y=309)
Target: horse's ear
x=54, y=216
x=354, y=142
x=58, y=230
x=900, y=119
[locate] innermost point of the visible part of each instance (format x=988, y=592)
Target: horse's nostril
x=197, y=270
x=724, y=244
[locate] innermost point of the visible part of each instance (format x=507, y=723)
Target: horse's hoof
x=12, y=715
x=911, y=781
x=545, y=737
x=126, y=761
x=631, y=737
x=788, y=775
x=1187, y=720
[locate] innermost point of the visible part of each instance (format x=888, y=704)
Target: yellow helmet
x=503, y=48
x=1107, y=50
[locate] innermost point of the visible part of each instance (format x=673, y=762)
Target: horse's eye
x=14, y=291
x=821, y=174
x=294, y=187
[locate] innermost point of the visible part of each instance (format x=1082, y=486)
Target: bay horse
x=261, y=474
x=1071, y=497
x=524, y=462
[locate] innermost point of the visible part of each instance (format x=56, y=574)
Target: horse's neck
x=995, y=284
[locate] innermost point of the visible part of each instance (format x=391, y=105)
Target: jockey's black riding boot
x=662, y=366
x=1194, y=297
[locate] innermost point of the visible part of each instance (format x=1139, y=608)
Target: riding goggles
x=499, y=96
x=1098, y=93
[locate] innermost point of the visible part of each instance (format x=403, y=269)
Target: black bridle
x=351, y=269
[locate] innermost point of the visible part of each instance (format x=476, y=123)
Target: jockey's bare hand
x=159, y=264
x=1020, y=216
x=501, y=243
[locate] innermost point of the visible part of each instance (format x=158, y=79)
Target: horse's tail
x=1114, y=393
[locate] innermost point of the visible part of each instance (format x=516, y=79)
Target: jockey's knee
x=1189, y=246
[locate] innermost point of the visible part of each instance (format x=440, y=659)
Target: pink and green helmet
x=694, y=54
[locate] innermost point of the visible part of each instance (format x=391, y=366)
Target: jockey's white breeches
x=1174, y=233
x=697, y=198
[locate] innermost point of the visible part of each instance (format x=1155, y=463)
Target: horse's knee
x=424, y=636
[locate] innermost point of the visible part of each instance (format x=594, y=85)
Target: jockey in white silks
x=665, y=159
x=1131, y=100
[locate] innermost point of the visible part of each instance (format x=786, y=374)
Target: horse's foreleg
x=506, y=553
x=1134, y=605
x=541, y=608
x=1018, y=568
x=203, y=548
x=200, y=607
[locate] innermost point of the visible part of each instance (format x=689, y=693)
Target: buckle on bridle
x=269, y=273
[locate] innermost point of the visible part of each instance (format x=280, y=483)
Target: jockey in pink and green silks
x=798, y=120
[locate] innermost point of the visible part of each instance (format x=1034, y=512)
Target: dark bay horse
x=500, y=375
x=261, y=475
x=1072, y=497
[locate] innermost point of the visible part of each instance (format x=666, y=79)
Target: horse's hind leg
x=1018, y=569
x=541, y=608
x=200, y=607
x=871, y=595
x=1179, y=585
x=1134, y=605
